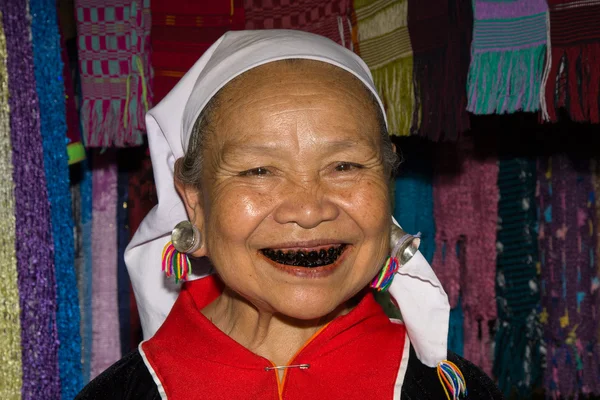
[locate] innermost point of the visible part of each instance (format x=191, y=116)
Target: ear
x=394, y=147
x=192, y=200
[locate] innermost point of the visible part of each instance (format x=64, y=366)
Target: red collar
x=188, y=340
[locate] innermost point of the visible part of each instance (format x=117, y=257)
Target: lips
x=308, y=258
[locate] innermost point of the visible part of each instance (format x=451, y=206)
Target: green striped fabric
x=384, y=44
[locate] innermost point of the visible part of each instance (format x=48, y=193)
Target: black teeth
x=305, y=259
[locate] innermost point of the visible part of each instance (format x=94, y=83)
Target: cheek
x=235, y=212
x=368, y=203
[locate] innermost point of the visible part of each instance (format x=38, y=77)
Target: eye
x=347, y=166
x=260, y=171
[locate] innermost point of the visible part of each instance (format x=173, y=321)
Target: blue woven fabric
x=48, y=69
x=413, y=209
x=85, y=188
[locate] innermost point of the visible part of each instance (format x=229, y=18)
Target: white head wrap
x=422, y=301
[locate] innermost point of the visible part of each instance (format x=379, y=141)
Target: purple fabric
x=567, y=244
x=503, y=9
x=34, y=245
x=106, y=347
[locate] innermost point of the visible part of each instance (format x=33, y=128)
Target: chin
x=307, y=305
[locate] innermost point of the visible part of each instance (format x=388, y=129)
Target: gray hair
x=189, y=171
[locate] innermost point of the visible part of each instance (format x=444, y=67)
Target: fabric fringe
x=441, y=65
x=11, y=375
x=394, y=83
x=99, y=119
x=505, y=82
x=465, y=209
x=574, y=83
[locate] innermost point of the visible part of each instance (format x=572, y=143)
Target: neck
x=270, y=335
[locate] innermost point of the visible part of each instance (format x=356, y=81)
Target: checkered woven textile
x=114, y=47
x=182, y=31
x=329, y=18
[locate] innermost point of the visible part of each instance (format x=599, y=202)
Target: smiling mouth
x=306, y=258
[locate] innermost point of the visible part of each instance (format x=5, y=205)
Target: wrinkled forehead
x=283, y=75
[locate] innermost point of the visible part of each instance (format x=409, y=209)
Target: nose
x=306, y=204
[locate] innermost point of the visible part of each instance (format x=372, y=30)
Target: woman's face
x=294, y=199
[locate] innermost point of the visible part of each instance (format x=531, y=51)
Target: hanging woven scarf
x=51, y=95
x=440, y=35
x=123, y=283
x=518, y=360
x=569, y=277
x=414, y=193
x=182, y=31
x=82, y=214
x=34, y=246
x=507, y=56
x=106, y=347
x=384, y=45
x=465, y=198
x=10, y=340
x=572, y=76
x=114, y=41
x=329, y=18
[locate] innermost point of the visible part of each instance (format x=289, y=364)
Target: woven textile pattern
x=569, y=276
x=572, y=77
x=114, y=43
x=106, y=348
x=508, y=50
x=10, y=326
x=34, y=246
x=182, y=31
x=329, y=18
x=465, y=198
x=51, y=94
x=441, y=63
x=518, y=359
x=384, y=44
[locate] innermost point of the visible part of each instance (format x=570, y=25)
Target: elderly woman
x=272, y=160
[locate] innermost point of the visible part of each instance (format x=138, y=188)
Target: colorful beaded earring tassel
x=452, y=380
x=384, y=279
x=175, y=263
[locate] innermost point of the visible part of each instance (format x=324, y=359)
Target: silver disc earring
x=404, y=246
x=185, y=239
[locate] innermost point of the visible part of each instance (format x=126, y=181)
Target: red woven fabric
x=440, y=34
x=329, y=18
x=465, y=198
x=574, y=75
x=181, y=33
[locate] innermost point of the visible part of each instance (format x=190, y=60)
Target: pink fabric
x=329, y=18
x=106, y=347
x=114, y=65
x=465, y=196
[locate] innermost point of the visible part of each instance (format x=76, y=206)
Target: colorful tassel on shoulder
x=452, y=380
